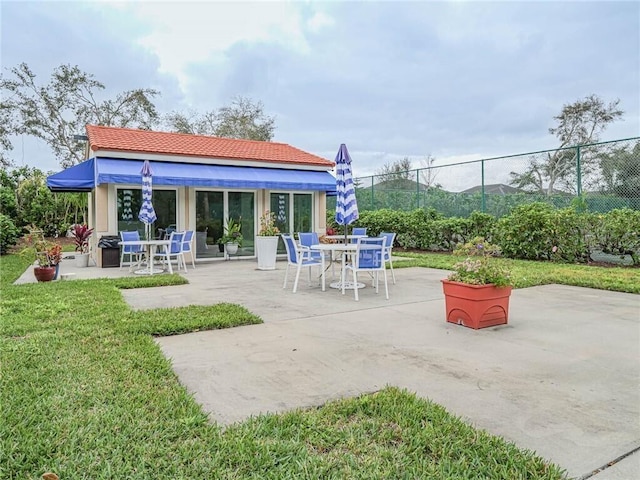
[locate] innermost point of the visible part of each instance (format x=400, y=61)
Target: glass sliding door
x=129, y=201
x=241, y=208
x=209, y=224
x=279, y=204
x=294, y=213
x=212, y=210
x=302, y=212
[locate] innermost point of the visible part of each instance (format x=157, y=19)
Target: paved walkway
x=563, y=378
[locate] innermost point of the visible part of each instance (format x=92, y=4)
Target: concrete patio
x=562, y=378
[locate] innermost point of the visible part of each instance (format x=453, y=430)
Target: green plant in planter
x=480, y=268
x=45, y=253
x=232, y=233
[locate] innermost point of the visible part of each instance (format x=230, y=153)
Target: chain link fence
x=597, y=177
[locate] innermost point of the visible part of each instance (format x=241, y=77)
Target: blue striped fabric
x=147, y=214
x=346, y=205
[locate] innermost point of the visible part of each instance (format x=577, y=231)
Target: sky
x=455, y=80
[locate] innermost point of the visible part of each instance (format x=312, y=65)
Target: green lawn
x=86, y=393
x=528, y=273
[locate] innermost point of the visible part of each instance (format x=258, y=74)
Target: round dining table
x=150, y=247
x=344, y=249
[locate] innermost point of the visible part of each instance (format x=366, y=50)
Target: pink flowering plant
x=480, y=268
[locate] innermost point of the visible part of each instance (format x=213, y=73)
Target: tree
x=578, y=123
x=396, y=172
x=25, y=199
x=429, y=173
x=242, y=119
x=621, y=171
x=6, y=127
x=59, y=110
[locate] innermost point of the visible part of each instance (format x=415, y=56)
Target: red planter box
x=476, y=306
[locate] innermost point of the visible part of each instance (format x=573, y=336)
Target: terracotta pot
x=44, y=274
x=476, y=306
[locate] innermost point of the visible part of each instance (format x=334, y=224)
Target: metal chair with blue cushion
x=358, y=231
x=132, y=251
x=299, y=257
x=388, y=245
x=307, y=239
x=369, y=257
x=187, y=247
x=174, y=250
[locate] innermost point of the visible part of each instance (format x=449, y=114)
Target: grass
x=529, y=273
x=86, y=393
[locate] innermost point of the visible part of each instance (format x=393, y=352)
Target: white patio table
x=340, y=238
x=150, y=247
x=345, y=249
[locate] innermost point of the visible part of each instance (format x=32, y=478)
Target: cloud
x=183, y=34
x=389, y=79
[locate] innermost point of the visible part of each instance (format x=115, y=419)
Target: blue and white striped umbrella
x=147, y=214
x=346, y=205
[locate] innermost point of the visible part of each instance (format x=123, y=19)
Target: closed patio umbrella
x=346, y=205
x=147, y=214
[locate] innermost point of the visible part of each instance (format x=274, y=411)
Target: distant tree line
x=56, y=112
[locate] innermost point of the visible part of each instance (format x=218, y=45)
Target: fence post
x=484, y=202
x=579, y=172
x=417, y=188
x=373, y=207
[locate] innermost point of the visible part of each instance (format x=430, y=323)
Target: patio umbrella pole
x=346, y=205
x=147, y=214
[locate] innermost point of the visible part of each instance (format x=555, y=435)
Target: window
x=294, y=213
x=129, y=201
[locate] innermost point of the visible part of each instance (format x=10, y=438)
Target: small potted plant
x=81, y=234
x=47, y=255
x=477, y=292
x=267, y=241
x=232, y=236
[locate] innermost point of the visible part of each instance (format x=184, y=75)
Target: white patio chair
x=299, y=257
x=187, y=247
x=388, y=245
x=132, y=251
x=369, y=257
x=174, y=250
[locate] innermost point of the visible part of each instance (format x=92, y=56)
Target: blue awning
x=79, y=178
x=93, y=172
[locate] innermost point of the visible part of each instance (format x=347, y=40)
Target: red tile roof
x=181, y=144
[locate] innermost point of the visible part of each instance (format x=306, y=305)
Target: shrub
x=450, y=232
x=527, y=232
x=482, y=225
x=618, y=233
x=570, y=236
x=9, y=234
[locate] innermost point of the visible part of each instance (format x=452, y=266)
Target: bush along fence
x=599, y=177
x=533, y=231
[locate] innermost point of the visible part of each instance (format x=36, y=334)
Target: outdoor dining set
x=355, y=253
x=144, y=253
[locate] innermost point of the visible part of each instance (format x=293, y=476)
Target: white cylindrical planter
x=266, y=250
x=82, y=260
